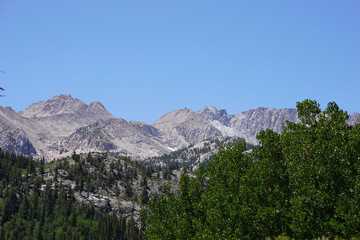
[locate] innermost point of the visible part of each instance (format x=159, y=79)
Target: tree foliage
x=303, y=183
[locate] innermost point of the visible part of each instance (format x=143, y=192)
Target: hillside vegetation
x=85, y=196
x=303, y=183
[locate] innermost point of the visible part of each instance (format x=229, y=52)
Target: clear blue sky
x=144, y=58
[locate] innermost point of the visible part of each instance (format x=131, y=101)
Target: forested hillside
x=193, y=156
x=84, y=195
x=34, y=206
x=87, y=196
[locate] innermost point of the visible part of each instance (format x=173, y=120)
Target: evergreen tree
x=144, y=196
x=25, y=208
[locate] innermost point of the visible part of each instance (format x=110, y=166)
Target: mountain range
x=63, y=124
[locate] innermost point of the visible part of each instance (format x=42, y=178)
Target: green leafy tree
x=269, y=186
x=161, y=220
x=304, y=183
x=223, y=199
x=322, y=159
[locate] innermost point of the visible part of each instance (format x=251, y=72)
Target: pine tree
x=25, y=208
x=144, y=196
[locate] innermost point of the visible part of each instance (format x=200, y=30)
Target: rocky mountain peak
x=58, y=105
x=176, y=116
x=7, y=109
x=99, y=109
x=212, y=113
x=64, y=105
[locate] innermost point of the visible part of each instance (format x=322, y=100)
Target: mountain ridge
x=56, y=127
x=63, y=105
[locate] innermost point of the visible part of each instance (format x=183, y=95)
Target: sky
x=142, y=59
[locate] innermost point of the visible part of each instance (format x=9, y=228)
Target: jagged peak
x=68, y=96
x=60, y=104
x=98, y=108
x=176, y=115
x=7, y=109
x=58, y=98
x=209, y=108
x=10, y=109
x=61, y=98
x=96, y=104
x=65, y=104
x=212, y=113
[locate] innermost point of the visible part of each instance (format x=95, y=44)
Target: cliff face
x=15, y=140
x=116, y=135
x=63, y=124
x=248, y=124
x=183, y=127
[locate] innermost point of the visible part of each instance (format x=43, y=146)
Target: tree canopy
x=303, y=183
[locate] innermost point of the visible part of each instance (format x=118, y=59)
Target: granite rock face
x=248, y=124
x=213, y=114
x=46, y=124
x=16, y=141
x=63, y=124
x=65, y=105
x=183, y=127
x=116, y=135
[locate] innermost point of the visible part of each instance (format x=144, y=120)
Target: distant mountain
x=354, y=118
x=65, y=105
x=44, y=124
x=183, y=127
x=63, y=124
x=116, y=135
x=192, y=127
x=249, y=123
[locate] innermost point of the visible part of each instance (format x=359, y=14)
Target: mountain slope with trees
x=34, y=205
x=85, y=196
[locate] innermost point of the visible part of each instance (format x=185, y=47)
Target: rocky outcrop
x=16, y=141
x=116, y=135
x=183, y=127
x=13, y=132
x=213, y=114
x=65, y=105
x=249, y=123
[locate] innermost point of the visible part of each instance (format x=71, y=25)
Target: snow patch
x=172, y=149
